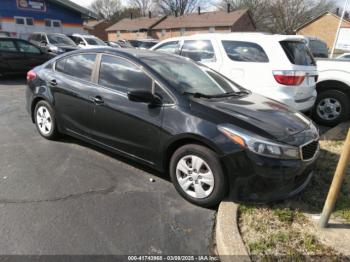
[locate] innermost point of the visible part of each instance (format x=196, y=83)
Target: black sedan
x=18, y=56
x=165, y=111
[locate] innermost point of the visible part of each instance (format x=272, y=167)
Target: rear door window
x=318, y=48
x=28, y=48
x=298, y=53
x=79, y=66
x=245, y=51
x=7, y=45
x=198, y=50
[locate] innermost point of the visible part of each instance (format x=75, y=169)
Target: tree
x=142, y=5
x=280, y=16
x=106, y=9
x=180, y=7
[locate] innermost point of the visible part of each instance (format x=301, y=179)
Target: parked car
x=113, y=44
x=317, y=46
x=124, y=44
x=52, y=42
x=4, y=34
x=143, y=43
x=277, y=66
x=345, y=56
x=333, y=92
x=87, y=41
x=165, y=111
x=18, y=56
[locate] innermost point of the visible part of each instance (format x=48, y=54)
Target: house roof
x=93, y=23
x=207, y=19
x=319, y=16
x=75, y=7
x=135, y=24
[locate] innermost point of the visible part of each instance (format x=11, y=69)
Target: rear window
x=245, y=51
x=297, y=53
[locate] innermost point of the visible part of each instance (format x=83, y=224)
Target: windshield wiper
x=197, y=95
x=233, y=93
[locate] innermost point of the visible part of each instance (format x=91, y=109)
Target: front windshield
x=58, y=39
x=186, y=76
x=94, y=41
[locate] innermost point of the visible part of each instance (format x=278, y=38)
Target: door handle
x=53, y=82
x=97, y=100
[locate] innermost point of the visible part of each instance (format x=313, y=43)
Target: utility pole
x=339, y=26
x=336, y=183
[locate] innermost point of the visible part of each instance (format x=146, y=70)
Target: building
x=195, y=23
x=98, y=28
x=22, y=17
x=324, y=27
x=133, y=28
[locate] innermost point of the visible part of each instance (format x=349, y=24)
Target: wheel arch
x=333, y=85
x=34, y=103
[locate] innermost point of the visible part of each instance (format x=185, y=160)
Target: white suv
x=280, y=67
x=87, y=41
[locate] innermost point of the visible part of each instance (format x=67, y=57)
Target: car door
x=71, y=85
x=129, y=127
x=203, y=51
x=11, y=59
x=33, y=55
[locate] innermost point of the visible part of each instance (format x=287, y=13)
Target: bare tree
x=143, y=5
x=280, y=16
x=180, y=7
x=106, y=9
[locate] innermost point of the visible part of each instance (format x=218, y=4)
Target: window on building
x=211, y=29
x=56, y=23
x=7, y=45
x=183, y=31
x=19, y=20
x=245, y=51
x=121, y=75
x=118, y=33
x=29, y=21
x=198, y=50
x=47, y=22
x=163, y=32
x=79, y=66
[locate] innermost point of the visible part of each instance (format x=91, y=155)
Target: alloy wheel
x=329, y=108
x=44, y=120
x=195, y=176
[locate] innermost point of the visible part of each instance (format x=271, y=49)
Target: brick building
x=189, y=24
x=208, y=22
x=324, y=27
x=98, y=28
x=133, y=28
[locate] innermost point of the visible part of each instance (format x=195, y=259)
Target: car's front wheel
x=197, y=175
x=45, y=120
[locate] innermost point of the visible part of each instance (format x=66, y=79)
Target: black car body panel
x=150, y=133
x=16, y=60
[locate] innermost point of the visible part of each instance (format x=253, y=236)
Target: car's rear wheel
x=197, y=175
x=331, y=108
x=45, y=120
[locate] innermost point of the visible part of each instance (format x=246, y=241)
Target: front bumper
x=258, y=179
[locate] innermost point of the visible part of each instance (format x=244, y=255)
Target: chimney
x=199, y=10
x=131, y=16
x=149, y=14
x=228, y=8
x=337, y=11
x=176, y=13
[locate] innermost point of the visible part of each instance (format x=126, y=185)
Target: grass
x=282, y=230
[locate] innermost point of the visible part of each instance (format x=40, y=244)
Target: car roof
x=245, y=36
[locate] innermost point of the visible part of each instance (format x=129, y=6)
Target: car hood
x=68, y=47
x=260, y=115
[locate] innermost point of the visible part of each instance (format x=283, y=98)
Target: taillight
x=31, y=75
x=289, y=78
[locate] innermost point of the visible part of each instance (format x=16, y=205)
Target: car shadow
x=13, y=80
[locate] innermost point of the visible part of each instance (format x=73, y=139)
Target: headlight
x=260, y=145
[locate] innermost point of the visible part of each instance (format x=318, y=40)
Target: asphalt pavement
x=67, y=197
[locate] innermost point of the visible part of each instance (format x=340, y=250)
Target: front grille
x=308, y=151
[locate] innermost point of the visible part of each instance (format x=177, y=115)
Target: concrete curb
x=229, y=243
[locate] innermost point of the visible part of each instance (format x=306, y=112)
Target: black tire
x=219, y=190
x=341, y=97
x=53, y=133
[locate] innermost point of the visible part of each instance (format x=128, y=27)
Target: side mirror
x=143, y=96
x=43, y=42
x=81, y=43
